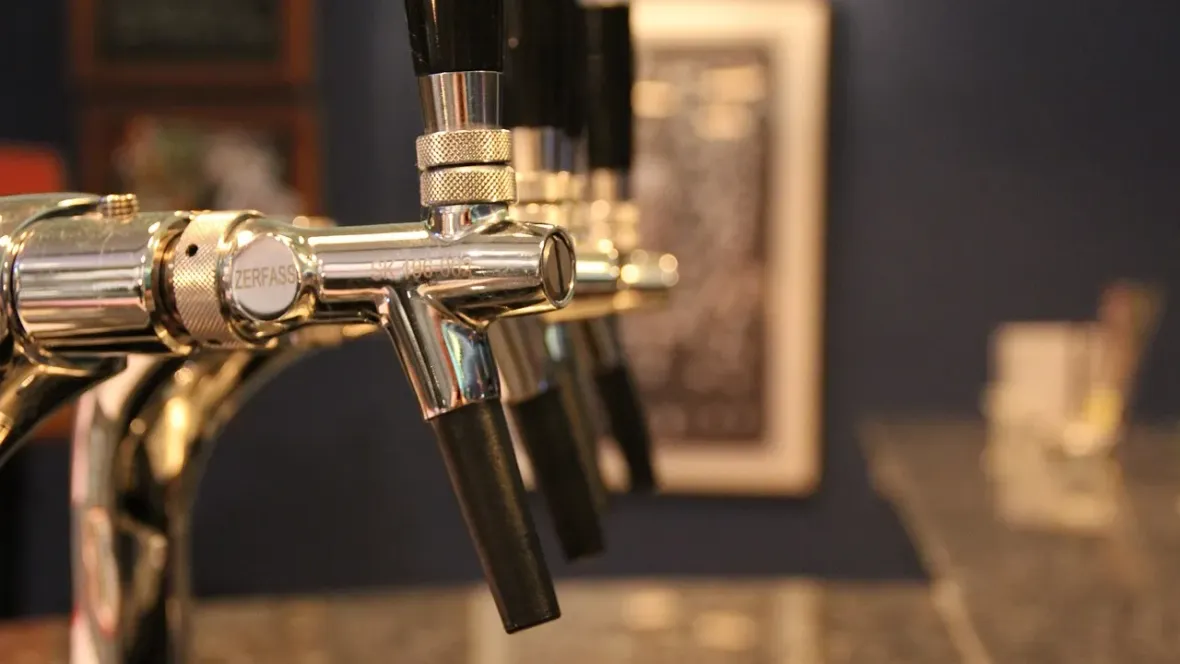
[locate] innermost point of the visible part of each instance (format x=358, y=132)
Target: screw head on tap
x=118, y=205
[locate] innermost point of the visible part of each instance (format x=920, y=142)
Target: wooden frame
x=794, y=34
x=292, y=68
x=102, y=128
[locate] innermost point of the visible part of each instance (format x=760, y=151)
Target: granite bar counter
x=1075, y=562
x=771, y=621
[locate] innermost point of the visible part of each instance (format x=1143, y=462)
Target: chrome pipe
x=33, y=383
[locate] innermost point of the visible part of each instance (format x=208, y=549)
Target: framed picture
x=195, y=158
x=731, y=107
x=169, y=43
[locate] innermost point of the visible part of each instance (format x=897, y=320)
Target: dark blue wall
x=990, y=160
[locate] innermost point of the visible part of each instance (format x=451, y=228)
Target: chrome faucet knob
x=118, y=205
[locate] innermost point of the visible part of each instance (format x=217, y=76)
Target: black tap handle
x=534, y=58
x=456, y=35
x=610, y=74
x=477, y=448
x=575, y=63
x=628, y=424
x=547, y=434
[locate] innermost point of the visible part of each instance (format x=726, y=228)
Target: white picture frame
x=795, y=35
x=787, y=456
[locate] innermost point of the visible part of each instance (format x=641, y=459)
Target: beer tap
x=608, y=220
x=208, y=305
x=89, y=280
x=546, y=405
x=466, y=183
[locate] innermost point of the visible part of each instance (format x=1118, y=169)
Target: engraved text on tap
x=265, y=277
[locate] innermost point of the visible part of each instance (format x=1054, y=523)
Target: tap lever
x=547, y=434
x=456, y=35
x=477, y=448
x=534, y=79
x=576, y=58
x=628, y=424
x=609, y=77
x=575, y=381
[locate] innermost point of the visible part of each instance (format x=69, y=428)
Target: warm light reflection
x=734, y=85
x=654, y=99
x=386, y=237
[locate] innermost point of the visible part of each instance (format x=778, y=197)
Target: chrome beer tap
x=217, y=301
x=139, y=447
x=607, y=220
x=538, y=385
x=92, y=279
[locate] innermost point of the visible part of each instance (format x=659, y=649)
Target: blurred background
x=986, y=162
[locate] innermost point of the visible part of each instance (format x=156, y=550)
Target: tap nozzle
x=465, y=177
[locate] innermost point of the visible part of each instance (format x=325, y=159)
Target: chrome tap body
x=543, y=403
x=457, y=48
x=90, y=280
x=34, y=384
x=607, y=219
x=208, y=304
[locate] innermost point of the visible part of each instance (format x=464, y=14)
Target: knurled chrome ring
x=467, y=184
x=196, y=278
x=463, y=147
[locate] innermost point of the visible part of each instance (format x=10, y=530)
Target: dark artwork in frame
x=205, y=158
x=250, y=44
x=701, y=178
x=127, y=31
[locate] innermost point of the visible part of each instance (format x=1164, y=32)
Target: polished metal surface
x=194, y=271
x=542, y=149
x=610, y=185
x=182, y=286
x=464, y=146
x=542, y=159
x=31, y=391
x=609, y=218
x=460, y=100
x=454, y=220
x=601, y=336
x=140, y=444
x=33, y=385
x=467, y=184
x=575, y=374
x=545, y=195
x=519, y=345
x=16, y=212
x=86, y=284
x=437, y=297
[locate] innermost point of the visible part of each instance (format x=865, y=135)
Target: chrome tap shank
x=33, y=384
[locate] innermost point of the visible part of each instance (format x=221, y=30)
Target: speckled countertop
x=784, y=621
x=1068, y=585
x=1089, y=578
